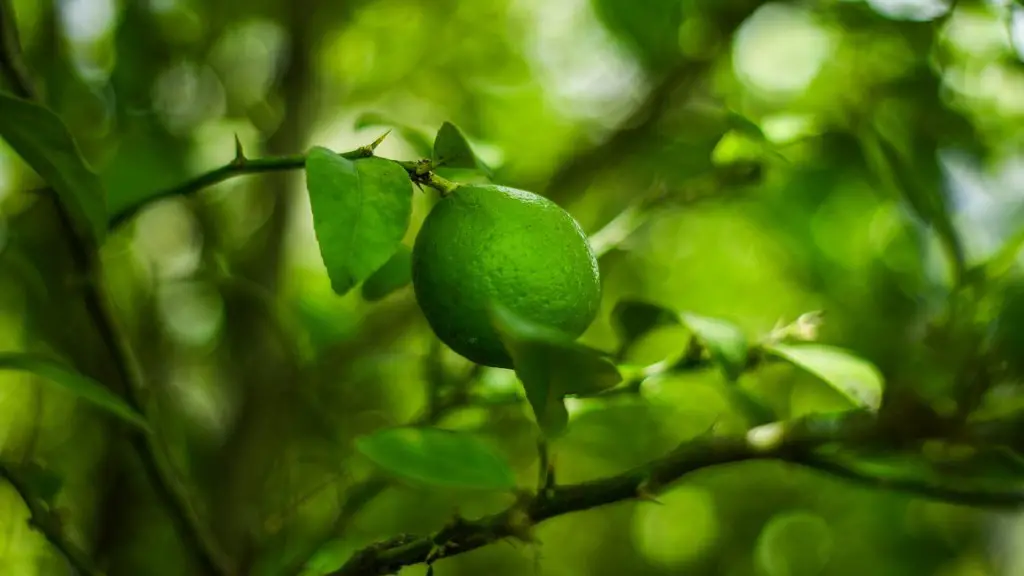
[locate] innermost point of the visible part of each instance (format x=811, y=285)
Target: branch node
x=645, y=493
x=520, y=526
x=424, y=166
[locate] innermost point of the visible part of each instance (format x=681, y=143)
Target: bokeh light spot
x=794, y=544
x=780, y=49
x=664, y=538
x=914, y=10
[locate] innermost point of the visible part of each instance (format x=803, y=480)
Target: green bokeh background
x=261, y=377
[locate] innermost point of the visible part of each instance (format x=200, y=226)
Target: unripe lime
x=485, y=245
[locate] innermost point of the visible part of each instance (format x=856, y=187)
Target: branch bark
x=795, y=442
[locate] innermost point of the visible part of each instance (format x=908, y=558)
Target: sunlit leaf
x=361, y=210
x=395, y=274
x=452, y=150
x=81, y=386
x=633, y=319
x=47, y=146
x=855, y=378
x=438, y=457
x=725, y=342
x=551, y=366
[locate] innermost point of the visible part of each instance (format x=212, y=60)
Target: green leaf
x=45, y=143
x=724, y=341
x=745, y=126
x=361, y=210
x=438, y=457
x=551, y=366
x=418, y=139
x=855, y=378
x=395, y=274
x=632, y=319
x=452, y=150
x=82, y=386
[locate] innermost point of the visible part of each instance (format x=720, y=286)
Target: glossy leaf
x=452, y=150
x=855, y=378
x=418, y=139
x=361, y=210
x=395, y=274
x=39, y=137
x=82, y=386
x=551, y=366
x=633, y=319
x=438, y=457
x=725, y=342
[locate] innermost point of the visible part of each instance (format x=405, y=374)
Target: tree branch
x=419, y=172
x=168, y=488
x=794, y=442
x=462, y=535
x=48, y=524
x=362, y=493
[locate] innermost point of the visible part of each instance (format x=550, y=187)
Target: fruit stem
x=442, y=185
x=421, y=173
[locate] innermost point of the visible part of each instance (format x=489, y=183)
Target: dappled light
x=505, y=287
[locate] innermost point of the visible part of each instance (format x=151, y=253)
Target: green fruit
x=488, y=245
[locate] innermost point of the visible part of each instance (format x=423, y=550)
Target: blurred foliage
x=885, y=138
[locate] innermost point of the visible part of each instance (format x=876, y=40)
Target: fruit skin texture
x=483, y=245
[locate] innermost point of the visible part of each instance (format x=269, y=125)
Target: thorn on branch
x=377, y=142
x=645, y=492
x=645, y=496
x=367, y=151
x=239, y=153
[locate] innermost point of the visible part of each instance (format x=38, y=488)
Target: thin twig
x=419, y=172
x=48, y=524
